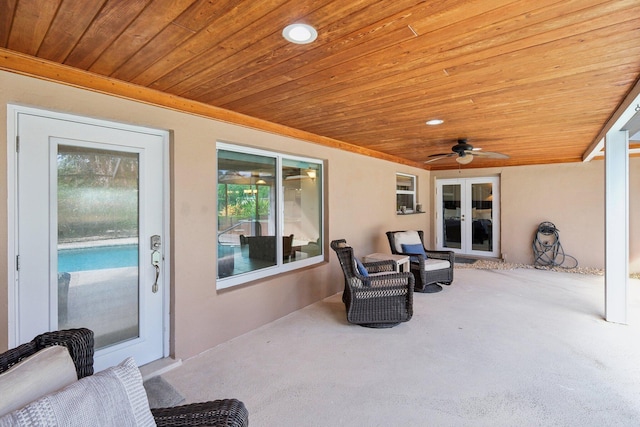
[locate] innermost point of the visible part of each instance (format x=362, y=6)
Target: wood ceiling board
x=509, y=105
x=368, y=84
x=194, y=46
x=152, y=19
x=155, y=50
x=30, y=25
x=289, y=62
x=202, y=12
x=198, y=16
x=342, y=43
x=7, y=9
x=287, y=81
x=564, y=90
x=71, y=21
x=259, y=58
x=465, y=91
x=359, y=64
x=229, y=39
x=113, y=20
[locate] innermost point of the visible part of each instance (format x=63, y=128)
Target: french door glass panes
x=482, y=217
x=468, y=220
x=269, y=213
x=452, y=214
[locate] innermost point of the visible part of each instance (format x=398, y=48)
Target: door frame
x=13, y=112
x=466, y=184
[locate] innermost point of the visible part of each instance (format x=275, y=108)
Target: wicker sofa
x=80, y=344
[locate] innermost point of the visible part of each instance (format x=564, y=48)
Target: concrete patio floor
x=496, y=348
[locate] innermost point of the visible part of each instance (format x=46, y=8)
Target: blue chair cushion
x=416, y=249
x=361, y=268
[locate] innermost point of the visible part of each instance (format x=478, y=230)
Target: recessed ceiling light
x=435, y=122
x=300, y=33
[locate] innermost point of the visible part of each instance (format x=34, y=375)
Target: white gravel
x=499, y=265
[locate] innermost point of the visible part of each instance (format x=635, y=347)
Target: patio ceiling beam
x=618, y=119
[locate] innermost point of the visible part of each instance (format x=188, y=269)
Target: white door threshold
x=159, y=367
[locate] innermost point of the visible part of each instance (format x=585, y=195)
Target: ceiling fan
x=465, y=153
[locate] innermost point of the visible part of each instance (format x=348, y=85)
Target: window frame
x=280, y=267
x=411, y=193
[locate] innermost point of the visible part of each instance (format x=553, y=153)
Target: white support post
x=616, y=225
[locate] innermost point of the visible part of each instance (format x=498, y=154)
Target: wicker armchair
x=382, y=299
x=431, y=270
x=227, y=412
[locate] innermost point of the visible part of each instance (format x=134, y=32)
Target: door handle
x=155, y=260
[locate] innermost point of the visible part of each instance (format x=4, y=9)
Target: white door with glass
x=468, y=215
x=89, y=198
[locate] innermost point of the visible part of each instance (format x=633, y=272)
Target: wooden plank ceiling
x=536, y=80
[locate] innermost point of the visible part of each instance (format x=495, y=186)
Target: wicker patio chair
x=382, y=299
x=226, y=412
x=430, y=270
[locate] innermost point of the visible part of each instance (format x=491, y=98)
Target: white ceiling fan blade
x=488, y=154
x=442, y=156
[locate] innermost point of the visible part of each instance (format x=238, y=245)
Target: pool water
x=97, y=258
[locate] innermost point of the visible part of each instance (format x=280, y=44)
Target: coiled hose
x=548, y=251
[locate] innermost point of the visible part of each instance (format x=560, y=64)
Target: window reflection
x=302, y=208
x=251, y=235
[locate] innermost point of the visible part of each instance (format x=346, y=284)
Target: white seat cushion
x=42, y=373
x=431, y=264
x=406, y=237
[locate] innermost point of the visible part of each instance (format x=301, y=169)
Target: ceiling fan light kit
x=464, y=159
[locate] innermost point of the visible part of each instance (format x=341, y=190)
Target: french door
x=89, y=197
x=468, y=216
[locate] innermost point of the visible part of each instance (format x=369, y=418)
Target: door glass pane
x=98, y=217
x=302, y=210
x=482, y=214
x=452, y=215
x=246, y=212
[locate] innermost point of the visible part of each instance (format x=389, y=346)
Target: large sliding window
x=270, y=213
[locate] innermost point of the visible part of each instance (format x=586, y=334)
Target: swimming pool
x=97, y=258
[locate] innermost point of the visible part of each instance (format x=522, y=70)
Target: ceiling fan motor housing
x=461, y=147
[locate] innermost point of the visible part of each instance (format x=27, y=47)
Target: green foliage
x=97, y=194
x=96, y=212
x=239, y=201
